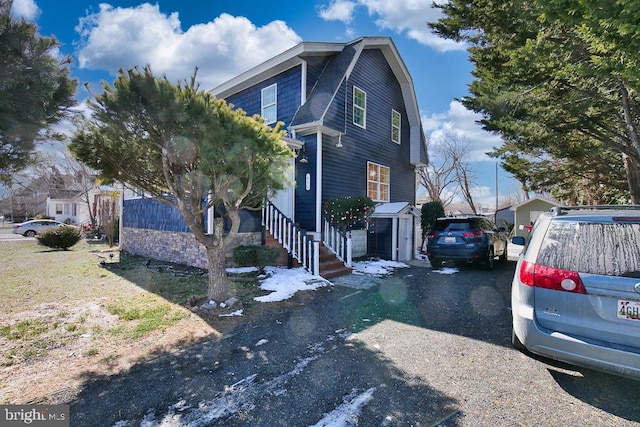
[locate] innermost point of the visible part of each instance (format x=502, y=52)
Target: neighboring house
x=527, y=212
x=72, y=205
x=66, y=206
x=352, y=118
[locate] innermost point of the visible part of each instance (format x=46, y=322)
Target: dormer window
x=359, y=107
x=269, y=104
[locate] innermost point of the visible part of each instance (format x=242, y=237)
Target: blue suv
x=471, y=239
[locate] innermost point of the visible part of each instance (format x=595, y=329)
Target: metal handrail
x=302, y=246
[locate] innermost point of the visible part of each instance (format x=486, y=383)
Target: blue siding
x=289, y=87
x=153, y=215
x=344, y=171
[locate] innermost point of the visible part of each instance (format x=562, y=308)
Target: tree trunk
x=633, y=178
x=218, y=287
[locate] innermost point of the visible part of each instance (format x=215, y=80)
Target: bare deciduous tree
x=449, y=170
x=438, y=175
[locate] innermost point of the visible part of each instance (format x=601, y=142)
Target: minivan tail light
x=541, y=276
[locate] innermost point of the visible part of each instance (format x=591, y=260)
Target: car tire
x=435, y=263
x=505, y=253
x=515, y=341
x=30, y=233
x=490, y=259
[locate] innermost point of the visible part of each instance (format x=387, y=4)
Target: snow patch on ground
x=347, y=414
x=246, y=394
x=378, y=268
x=284, y=282
x=447, y=270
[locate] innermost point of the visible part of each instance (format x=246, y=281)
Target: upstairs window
x=378, y=178
x=359, y=107
x=270, y=104
x=395, y=126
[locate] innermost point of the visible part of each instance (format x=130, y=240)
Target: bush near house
x=255, y=256
x=430, y=212
x=60, y=237
x=349, y=211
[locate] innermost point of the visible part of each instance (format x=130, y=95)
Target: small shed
x=392, y=231
x=527, y=212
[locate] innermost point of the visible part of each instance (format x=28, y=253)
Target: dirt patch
x=96, y=315
x=50, y=349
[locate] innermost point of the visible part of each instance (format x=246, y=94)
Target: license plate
x=449, y=239
x=629, y=310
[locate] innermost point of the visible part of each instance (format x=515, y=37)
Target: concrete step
x=337, y=272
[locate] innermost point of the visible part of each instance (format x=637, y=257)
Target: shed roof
x=394, y=209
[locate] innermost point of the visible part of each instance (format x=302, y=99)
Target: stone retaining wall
x=176, y=247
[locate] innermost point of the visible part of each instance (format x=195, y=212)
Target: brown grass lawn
x=65, y=316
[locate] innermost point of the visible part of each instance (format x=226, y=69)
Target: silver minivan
x=576, y=290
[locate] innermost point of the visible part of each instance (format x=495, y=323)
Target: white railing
x=296, y=241
x=337, y=241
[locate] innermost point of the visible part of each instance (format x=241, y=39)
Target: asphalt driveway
x=418, y=348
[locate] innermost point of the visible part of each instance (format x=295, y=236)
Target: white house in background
x=66, y=206
x=72, y=205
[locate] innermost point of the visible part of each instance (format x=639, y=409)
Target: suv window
x=611, y=249
x=454, y=225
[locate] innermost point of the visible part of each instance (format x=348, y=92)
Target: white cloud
x=463, y=124
x=402, y=16
x=410, y=17
x=27, y=9
x=113, y=38
x=338, y=10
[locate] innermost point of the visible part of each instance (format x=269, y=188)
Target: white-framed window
x=396, y=120
x=359, y=107
x=378, y=180
x=269, y=103
x=59, y=207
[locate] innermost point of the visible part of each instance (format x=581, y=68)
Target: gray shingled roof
x=321, y=95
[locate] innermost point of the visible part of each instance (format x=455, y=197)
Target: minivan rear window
x=611, y=249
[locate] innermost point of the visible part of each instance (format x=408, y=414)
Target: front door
x=284, y=199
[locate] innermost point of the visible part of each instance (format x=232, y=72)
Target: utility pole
x=495, y=214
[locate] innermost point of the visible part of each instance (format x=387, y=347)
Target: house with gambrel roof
x=352, y=118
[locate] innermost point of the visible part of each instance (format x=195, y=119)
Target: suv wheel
x=505, y=252
x=435, y=263
x=490, y=259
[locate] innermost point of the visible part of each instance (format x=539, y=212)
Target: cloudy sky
x=225, y=38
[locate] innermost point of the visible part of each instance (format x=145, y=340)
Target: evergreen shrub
x=349, y=211
x=255, y=256
x=62, y=237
